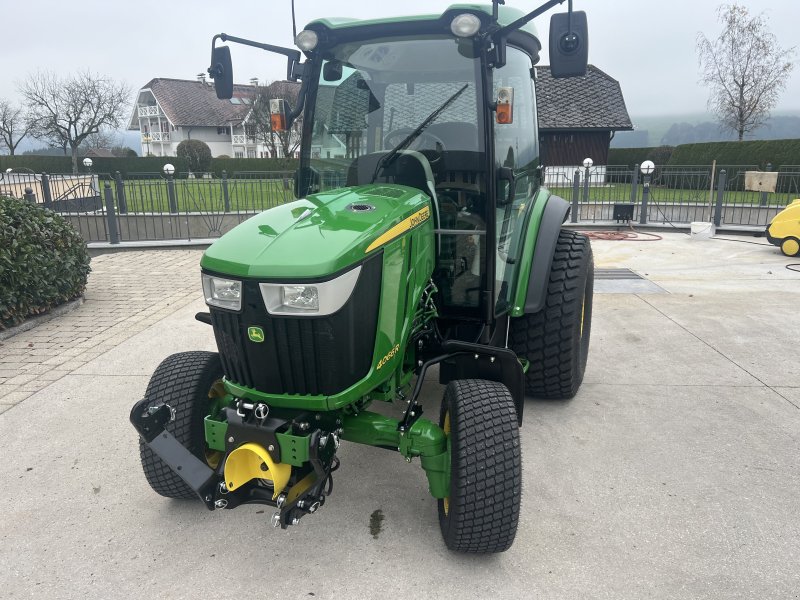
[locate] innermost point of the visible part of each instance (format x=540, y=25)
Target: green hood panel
x=316, y=236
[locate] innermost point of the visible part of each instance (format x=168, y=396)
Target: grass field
x=245, y=195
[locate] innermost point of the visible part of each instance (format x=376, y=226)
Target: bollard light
x=169, y=169
x=647, y=167
x=587, y=163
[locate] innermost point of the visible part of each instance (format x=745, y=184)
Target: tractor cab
x=442, y=103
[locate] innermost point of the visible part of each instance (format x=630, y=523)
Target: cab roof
x=506, y=15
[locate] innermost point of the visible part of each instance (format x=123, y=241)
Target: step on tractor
x=422, y=237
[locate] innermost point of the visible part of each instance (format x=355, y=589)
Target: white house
x=168, y=111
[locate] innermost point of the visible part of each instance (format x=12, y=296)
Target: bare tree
x=259, y=123
x=744, y=67
x=103, y=139
x=66, y=111
x=14, y=125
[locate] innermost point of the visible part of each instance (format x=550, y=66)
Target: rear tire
x=482, y=512
x=555, y=340
x=183, y=381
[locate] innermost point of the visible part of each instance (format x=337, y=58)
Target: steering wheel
x=421, y=144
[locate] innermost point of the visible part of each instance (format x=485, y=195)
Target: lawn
x=200, y=195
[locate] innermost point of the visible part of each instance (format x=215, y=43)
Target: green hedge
x=777, y=152
x=234, y=165
x=43, y=261
x=146, y=164
x=628, y=156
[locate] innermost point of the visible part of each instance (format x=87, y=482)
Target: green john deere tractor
x=422, y=236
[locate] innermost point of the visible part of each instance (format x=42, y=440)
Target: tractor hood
x=319, y=235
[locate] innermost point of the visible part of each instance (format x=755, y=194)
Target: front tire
x=185, y=382
x=790, y=246
x=482, y=512
x=555, y=340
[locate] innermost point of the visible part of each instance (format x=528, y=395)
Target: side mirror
x=332, y=71
x=221, y=71
x=506, y=182
x=569, y=44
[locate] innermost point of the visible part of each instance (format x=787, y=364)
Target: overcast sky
x=648, y=46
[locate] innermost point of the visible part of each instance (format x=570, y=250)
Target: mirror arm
x=292, y=54
x=503, y=32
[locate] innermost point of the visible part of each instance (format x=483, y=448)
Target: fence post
x=645, y=198
x=576, y=191
x=47, y=196
x=586, y=186
x=635, y=184
x=226, y=197
x=721, y=177
x=111, y=216
x=30, y=196
x=122, y=203
x=762, y=201
x=173, y=201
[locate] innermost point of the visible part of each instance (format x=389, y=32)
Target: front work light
x=465, y=25
x=221, y=292
x=306, y=40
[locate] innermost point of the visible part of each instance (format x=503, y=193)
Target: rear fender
x=537, y=254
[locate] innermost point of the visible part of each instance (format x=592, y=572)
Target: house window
x=223, y=130
x=238, y=154
x=251, y=153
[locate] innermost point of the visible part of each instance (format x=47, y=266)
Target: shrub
x=43, y=261
x=197, y=154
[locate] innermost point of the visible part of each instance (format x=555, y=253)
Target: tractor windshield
x=372, y=95
x=408, y=111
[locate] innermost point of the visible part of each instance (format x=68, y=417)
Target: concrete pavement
x=673, y=474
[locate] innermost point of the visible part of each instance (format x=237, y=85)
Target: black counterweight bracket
x=149, y=423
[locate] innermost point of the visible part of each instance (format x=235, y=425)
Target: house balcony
x=148, y=111
x=242, y=140
x=156, y=136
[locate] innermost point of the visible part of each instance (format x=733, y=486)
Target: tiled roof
x=193, y=103
x=591, y=102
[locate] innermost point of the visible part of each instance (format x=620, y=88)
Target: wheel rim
x=583, y=312
x=790, y=247
x=446, y=429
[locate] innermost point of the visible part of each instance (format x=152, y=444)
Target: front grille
x=301, y=355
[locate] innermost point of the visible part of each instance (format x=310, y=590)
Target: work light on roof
x=465, y=25
x=306, y=40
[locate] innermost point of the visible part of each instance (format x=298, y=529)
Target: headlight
x=465, y=25
x=221, y=292
x=315, y=299
x=305, y=297
x=306, y=40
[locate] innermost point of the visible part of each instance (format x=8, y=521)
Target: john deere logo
x=256, y=334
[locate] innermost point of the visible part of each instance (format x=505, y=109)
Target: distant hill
x=672, y=130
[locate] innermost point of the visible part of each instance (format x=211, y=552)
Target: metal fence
x=673, y=195
x=106, y=207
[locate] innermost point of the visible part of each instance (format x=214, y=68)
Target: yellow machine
x=784, y=230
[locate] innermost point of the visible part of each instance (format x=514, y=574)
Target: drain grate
x=616, y=274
